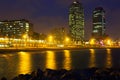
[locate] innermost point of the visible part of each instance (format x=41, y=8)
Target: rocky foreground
x=83, y=74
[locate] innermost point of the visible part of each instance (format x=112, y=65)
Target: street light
x=67, y=39
x=50, y=39
x=92, y=41
x=109, y=42
x=25, y=36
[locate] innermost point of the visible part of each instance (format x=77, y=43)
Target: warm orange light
x=24, y=63
x=25, y=36
x=109, y=42
x=67, y=39
x=50, y=38
x=92, y=62
x=50, y=60
x=108, y=59
x=92, y=41
x=67, y=60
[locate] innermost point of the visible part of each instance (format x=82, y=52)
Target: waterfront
x=14, y=63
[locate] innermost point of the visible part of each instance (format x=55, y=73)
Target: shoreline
x=52, y=48
x=73, y=74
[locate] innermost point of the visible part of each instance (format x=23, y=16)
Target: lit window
x=10, y=26
x=95, y=31
x=27, y=25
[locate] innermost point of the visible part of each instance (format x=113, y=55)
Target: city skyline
x=48, y=14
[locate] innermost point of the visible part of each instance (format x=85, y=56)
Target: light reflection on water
x=24, y=62
x=92, y=61
x=67, y=60
x=50, y=60
x=108, y=59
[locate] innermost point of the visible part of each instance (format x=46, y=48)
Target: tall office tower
x=98, y=23
x=15, y=28
x=76, y=22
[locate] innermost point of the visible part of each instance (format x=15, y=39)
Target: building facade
x=76, y=22
x=98, y=23
x=16, y=29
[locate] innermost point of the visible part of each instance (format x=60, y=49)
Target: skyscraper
x=98, y=23
x=76, y=22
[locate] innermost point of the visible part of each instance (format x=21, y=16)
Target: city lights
x=20, y=33
x=50, y=39
x=109, y=42
x=67, y=39
x=59, y=39
x=92, y=41
x=25, y=36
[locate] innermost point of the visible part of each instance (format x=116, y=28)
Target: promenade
x=50, y=48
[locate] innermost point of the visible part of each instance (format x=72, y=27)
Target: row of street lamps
x=26, y=42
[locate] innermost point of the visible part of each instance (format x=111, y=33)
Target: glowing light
x=67, y=39
x=109, y=42
x=108, y=59
x=24, y=63
x=25, y=36
x=50, y=60
x=50, y=38
x=101, y=42
x=67, y=60
x=92, y=41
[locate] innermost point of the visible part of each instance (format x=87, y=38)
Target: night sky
x=47, y=14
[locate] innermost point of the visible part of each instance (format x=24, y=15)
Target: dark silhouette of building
x=98, y=23
x=76, y=22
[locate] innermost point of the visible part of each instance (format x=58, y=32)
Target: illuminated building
x=76, y=22
x=98, y=23
x=15, y=28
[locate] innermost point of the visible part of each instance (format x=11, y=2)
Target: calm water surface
x=12, y=64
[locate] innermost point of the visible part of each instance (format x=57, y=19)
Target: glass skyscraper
x=98, y=23
x=76, y=22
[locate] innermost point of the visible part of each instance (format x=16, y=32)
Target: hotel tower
x=98, y=23
x=76, y=22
